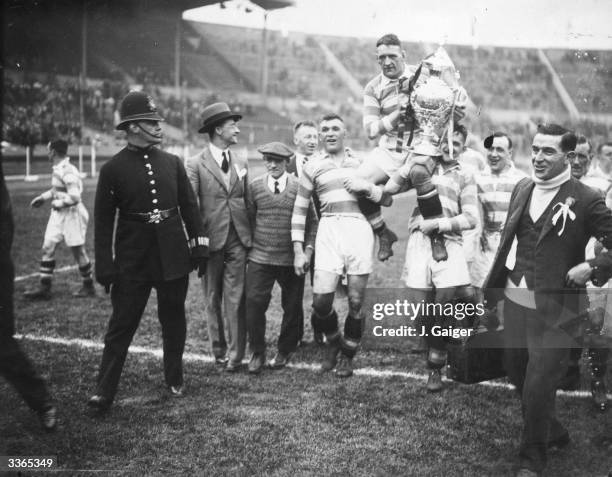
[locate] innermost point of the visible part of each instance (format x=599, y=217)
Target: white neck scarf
x=544, y=192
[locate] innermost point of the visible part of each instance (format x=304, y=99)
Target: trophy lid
x=439, y=61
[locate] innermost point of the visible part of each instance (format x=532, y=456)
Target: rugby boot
x=87, y=289
x=42, y=292
x=434, y=382
x=331, y=355
x=386, y=239
x=344, y=369
x=438, y=248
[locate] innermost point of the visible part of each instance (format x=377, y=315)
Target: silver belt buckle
x=154, y=217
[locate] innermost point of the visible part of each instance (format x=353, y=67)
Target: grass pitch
x=292, y=421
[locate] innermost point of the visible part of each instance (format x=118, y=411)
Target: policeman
x=151, y=193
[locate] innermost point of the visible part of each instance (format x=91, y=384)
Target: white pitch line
x=203, y=358
x=58, y=270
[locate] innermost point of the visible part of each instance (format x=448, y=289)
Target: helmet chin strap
x=157, y=138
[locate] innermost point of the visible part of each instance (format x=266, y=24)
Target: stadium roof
x=175, y=5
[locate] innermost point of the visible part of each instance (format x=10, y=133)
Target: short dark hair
x=488, y=142
x=330, y=117
x=568, y=138
x=601, y=146
x=389, y=39
x=60, y=146
x=461, y=129
x=211, y=129
x=582, y=139
x=306, y=122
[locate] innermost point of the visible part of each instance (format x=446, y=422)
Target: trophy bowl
x=432, y=103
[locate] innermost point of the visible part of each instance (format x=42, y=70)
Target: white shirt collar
x=282, y=182
x=217, y=153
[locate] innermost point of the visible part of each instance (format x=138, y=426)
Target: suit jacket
x=555, y=254
x=140, y=181
x=220, y=205
x=7, y=317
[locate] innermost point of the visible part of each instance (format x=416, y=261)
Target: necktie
x=304, y=159
x=276, y=189
x=224, y=164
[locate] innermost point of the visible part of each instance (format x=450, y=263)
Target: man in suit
x=551, y=216
x=306, y=140
x=219, y=179
x=147, y=248
x=14, y=364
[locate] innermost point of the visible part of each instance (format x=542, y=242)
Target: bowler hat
x=276, y=151
x=137, y=106
x=215, y=113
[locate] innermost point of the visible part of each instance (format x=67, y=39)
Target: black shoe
x=280, y=360
x=221, y=360
x=48, y=419
x=99, y=403
x=256, y=364
x=176, y=391
x=438, y=248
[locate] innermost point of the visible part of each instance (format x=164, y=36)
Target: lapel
x=209, y=163
x=565, y=191
x=233, y=171
x=520, y=202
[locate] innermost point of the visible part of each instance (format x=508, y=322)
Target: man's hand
x=429, y=226
x=106, y=281
x=37, y=202
x=57, y=204
x=300, y=263
x=357, y=185
x=579, y=275
x=308, y=254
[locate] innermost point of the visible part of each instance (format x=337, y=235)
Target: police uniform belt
x=149, y=217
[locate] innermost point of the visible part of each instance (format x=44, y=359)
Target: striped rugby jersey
x=457, y=191
x=494, y=193
x=380, y=99
x=324, y=176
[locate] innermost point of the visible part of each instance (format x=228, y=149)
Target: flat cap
x=276, y=150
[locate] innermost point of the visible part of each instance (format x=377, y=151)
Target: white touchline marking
x=197, y=357
x=57, y=270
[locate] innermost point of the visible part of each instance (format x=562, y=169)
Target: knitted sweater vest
x=272, y=243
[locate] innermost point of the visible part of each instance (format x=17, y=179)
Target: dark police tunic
x=149, y=191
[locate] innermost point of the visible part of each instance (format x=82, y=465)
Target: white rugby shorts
x=68, y=225
x=422, y=271
x=344, y=244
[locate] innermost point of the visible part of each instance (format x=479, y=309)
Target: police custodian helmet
x=137, y=106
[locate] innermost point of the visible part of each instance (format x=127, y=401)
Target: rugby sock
x=327, y=324
x=352, y=336
x=436, y=358
x=46, y=271
x=85, y=271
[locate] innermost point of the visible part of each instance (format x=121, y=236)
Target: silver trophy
x=433, y=101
